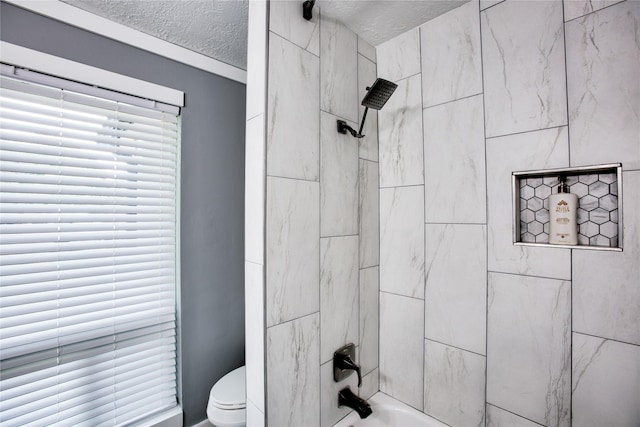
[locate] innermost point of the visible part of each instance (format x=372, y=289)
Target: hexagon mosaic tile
x=597, y=208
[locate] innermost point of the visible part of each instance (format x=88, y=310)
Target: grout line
x=408, y=77
x=517, y=415
x=489, y=7
x=265, y=136
x=400, y=295
x=593, y=11
x=526, y=131
x=486, y=209
x=451, y=101
x=320, y=188
x=340, y=117
x=424, y=228
x=456, y=347
x=604, y=338
x=454, y=223
x=292, y=179
x=529, y=275
x=402, y=186
x=339, y=236
x=253, y=117
x=294, y=319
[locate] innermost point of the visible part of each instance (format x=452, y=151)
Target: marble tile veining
x=293, y=253
x=400, y=136
x=606, y=382
x=544, y=149
x=451, y=63
x=369, y=214
x=338, y=180
x=293, y=389
x=606, y=295
x=399, y=57
x=454, y=166
x=338, y=294
x=293, y=127
x=456, y=290
x=368, y=144
x=529, y=347
x=338, y=70
x=603, y=59
x=401, y=371
x=524, y=70
x=402, y=241
x=369, y=319
x=454, y=385
x=285, y=19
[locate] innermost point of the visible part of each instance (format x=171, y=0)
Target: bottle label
x=562, y=207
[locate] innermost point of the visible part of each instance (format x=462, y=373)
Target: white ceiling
x=218, y=28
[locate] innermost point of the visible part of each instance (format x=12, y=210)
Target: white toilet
x=228, y=400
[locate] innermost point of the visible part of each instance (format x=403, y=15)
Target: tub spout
x=347, y=398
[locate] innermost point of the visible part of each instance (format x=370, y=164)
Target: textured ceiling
x=377, y=21
x=218, y=28
x=215, y=28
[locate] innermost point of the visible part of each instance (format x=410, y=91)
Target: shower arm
x=343, y=127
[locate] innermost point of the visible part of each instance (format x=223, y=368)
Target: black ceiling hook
x=307, y=8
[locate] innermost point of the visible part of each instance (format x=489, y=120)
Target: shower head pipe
x=377, y=95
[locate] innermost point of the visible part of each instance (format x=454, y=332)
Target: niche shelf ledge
x=599, y=191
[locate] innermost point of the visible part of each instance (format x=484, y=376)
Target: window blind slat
x=88, y=213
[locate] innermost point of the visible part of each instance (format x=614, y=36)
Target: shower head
x=378, y=94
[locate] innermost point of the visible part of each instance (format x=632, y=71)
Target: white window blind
x=88, y=258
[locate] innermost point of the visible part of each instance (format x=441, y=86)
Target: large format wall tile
x=366, y=77
x=330, y=412
x=497, y=417
x=254, y=191
x=402, y=241
x=454, y=165
x=606, y=295
x=369, y=319
x=338, y=294
x=524, y=72
x=451, y=67
x=544, y=149
x=255, y=418
x=293, y=101
x=293, y=351
x=606, y=382
x=293, y=254
x=454, y=385
x=285, y=19
x=400, y=136
x=369, y=214
x=577, y=8
x=484, y=4
x=366, y=49
x=529, y=347
x=399, y=57
x=338, y=180
x=603, y=59
x=456, y=290
x=370, y=385
x=338, y=69
x=254, y=333
x=401, y=348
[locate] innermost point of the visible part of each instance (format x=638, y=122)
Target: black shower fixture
x=377, y=95
x=307, y=8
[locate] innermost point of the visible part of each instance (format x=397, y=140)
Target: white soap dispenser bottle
x=563, y=209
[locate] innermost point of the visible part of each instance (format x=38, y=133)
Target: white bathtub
x=388, y=412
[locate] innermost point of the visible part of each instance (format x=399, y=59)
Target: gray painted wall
x=212, y=225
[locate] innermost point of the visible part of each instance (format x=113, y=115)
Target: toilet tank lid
x=230, y=391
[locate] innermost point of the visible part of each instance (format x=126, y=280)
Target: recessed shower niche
x=599, y=213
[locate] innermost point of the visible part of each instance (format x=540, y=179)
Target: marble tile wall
x=313, y=237
x=514, y=86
